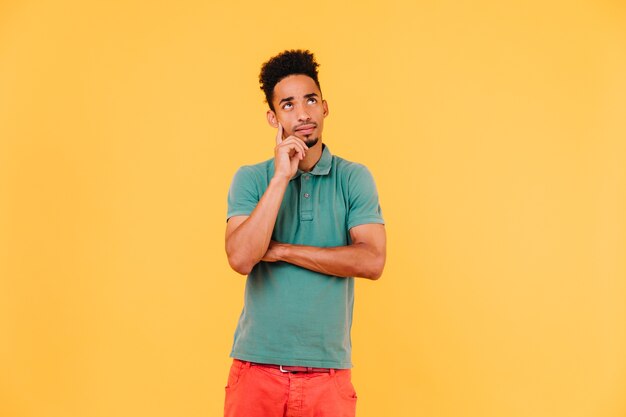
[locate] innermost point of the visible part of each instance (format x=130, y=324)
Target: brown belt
x=287, y=369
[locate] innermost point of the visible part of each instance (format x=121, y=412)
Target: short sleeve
x=243, y=195
x=364, y=206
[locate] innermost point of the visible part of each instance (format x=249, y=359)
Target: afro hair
x=295, y=61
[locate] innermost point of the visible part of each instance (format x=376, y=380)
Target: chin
x=311, y=142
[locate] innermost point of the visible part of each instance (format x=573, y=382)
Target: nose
x=303, y=116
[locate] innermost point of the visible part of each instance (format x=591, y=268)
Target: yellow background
x=495, y=132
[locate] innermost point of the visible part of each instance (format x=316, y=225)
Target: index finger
x=279, y=134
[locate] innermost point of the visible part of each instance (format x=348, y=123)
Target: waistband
x=294, y=369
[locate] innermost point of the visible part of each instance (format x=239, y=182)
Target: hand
x=287, y=154
x=273, y=252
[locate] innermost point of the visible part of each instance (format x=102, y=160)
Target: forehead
x=296, y=86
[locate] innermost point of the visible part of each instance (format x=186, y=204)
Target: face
x=299, y=108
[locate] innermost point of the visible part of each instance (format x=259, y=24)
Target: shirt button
x=307, y=195
x=306, y=177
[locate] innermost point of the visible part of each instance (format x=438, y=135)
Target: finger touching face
x=279, y=134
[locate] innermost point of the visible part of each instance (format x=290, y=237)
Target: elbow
x=238, y=263
x=240, y=266
x=374, y=274
x=378, y=267
x=375, y=269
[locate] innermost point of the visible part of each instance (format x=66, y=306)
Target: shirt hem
x=291, y=361
x=365, y=220
x=238, y=213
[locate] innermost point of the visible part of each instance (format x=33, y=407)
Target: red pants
x=259, y=391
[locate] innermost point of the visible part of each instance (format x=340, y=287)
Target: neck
x=312, y=156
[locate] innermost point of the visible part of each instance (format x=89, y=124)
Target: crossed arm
x=365, y=257
x=248, y=241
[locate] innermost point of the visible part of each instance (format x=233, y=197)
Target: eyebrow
x=291, y=98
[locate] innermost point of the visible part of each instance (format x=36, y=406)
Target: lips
x=306, y=129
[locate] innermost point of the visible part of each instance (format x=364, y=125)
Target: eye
x=312, y=100
x=287, y=106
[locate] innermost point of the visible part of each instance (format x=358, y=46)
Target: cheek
x=287, y=129
x=288, y=125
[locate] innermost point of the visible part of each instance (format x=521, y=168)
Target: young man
x=300, y=225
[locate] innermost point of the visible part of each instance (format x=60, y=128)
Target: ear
x=272, y=119
x=325, y=106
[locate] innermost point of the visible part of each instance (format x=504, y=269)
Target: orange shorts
x=261, y=391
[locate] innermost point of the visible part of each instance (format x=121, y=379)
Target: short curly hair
x=290, y=62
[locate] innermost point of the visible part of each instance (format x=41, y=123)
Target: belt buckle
x=283, y=370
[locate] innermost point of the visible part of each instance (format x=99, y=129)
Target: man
x=301, y=225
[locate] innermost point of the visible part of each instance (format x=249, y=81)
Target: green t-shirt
x=292, y=315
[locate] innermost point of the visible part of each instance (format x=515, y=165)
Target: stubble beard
x=310, y=142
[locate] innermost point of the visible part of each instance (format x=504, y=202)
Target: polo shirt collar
x=323, y=164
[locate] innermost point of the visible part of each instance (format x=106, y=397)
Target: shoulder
x=350, y=170
x=258, y=171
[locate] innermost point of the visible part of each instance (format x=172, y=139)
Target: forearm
x=248, y=243
x=355, y=260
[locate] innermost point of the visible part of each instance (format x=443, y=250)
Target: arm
x=364, y=257
x=248, y=237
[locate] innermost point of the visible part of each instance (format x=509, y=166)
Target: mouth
x=306, y=129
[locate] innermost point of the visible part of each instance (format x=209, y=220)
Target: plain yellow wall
x=496, y=133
